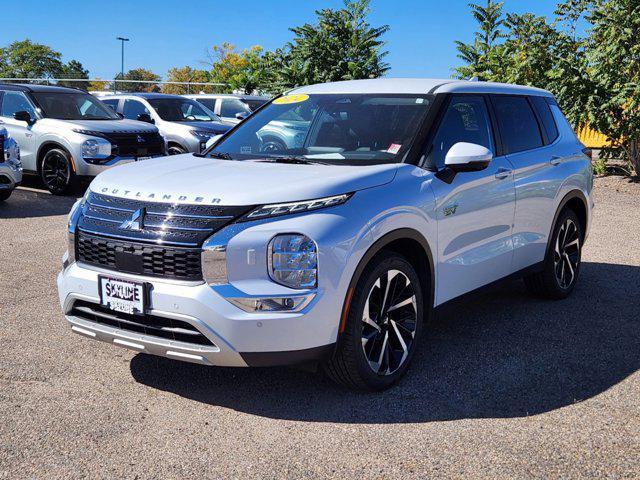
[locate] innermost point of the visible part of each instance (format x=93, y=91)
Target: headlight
x=96, y=148
x=202, y=134
x=278, y=209
x=293, y=261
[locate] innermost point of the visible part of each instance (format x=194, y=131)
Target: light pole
x=122, y=40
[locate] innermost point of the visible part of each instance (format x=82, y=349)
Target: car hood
x=190, y=179
x=106, y=126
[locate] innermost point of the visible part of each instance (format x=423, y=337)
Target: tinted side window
x=465, y=120
x=133, y=108
x=231, y=106
x=112, y=103
x=210, y=103
x=544, y=113
x=13, y=102
x=517, y=122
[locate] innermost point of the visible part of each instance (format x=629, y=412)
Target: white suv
x=403, y=195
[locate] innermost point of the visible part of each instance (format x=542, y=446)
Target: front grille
x=140, y=258
x=153, y=325
x=135, y=144
x=164, y=223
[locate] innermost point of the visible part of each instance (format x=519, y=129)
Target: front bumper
x=10, y=177
x=238, y=338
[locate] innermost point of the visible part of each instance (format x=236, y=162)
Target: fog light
x=272, y=304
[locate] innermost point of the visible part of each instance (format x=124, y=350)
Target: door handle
x=555, y=160
x=503, y=173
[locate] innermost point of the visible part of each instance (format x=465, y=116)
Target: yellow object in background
x=592, y=139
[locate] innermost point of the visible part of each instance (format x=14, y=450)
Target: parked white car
x=185, y=124
x=231, y=108
x=403, y=195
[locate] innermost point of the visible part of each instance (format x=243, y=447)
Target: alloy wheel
x=389, y=322
x=55, y=171
x=566, y=255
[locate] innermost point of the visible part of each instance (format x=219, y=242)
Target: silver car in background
x=10, y=165
x=231, y=108
x=185, y=124
x=65, y=133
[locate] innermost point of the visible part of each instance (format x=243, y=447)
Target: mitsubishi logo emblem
x=136, y=222
x=140, y=138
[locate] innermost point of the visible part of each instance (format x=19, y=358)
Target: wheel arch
x=46, y=147
x=412, y=245
x=577, y=201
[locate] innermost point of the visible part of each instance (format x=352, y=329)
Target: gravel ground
x=504, y=386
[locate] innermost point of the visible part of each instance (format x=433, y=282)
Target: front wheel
x=176, y=150
x=562, y=264
x=56, y=172
x=382, y=328
x=5, y=194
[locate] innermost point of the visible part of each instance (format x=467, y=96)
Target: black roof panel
x=36, y=88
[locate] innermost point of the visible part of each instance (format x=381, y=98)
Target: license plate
x=122, y=295
x=139, y=159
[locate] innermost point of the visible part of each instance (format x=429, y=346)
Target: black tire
x=5, y=194
x=562, y=263
x=360, y=341
x=175, y=150
x=56, y=172
x=273, y=145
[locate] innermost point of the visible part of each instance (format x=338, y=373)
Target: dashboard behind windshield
x=73, y=106
x=361, y=129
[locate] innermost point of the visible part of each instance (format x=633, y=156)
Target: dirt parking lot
x=504, y=386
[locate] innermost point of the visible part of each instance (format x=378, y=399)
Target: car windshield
x=73, y=106
x=181, y=110
x=363, y=129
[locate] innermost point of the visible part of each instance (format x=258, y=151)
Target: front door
x=475, y=212
x=21, y=132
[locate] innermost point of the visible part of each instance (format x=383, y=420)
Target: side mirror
x=120, y=115
x=24, y=116
x=241, y=115
x=468, y=157
x=145, y=117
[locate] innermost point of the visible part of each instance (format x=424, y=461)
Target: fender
x=379, y=245
x=56, y=144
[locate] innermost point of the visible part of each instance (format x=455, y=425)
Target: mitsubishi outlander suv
x=230, y=107
x=65, y=134
x=404, y=194
x=10, y=165
x=186, y=124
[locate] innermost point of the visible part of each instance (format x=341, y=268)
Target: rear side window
x=546, y=117
x=517, y=122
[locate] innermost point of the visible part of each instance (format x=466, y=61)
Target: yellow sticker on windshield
x=295, y=98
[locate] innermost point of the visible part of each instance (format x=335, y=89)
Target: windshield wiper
x=220, y=155
x=294, y=160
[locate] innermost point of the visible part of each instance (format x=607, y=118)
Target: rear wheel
x=562, y=265
x=56, y=172
x=382, y=328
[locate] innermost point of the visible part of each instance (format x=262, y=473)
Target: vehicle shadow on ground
x=37, y=201
x=504, y=354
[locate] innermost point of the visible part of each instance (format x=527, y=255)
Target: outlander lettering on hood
x=165, y=197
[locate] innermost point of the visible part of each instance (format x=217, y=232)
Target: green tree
x=483, y=56
x=613, y=52
x=149, y=83
x=187, y=74
x=25, y=59
x=74, y=70
x=244, y=71
x=341, y=45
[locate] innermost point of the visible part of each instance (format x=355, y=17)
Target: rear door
x=22, y=132
x=475, y=211
x=529, y=145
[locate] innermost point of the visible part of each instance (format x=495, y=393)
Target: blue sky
x=168, y=33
